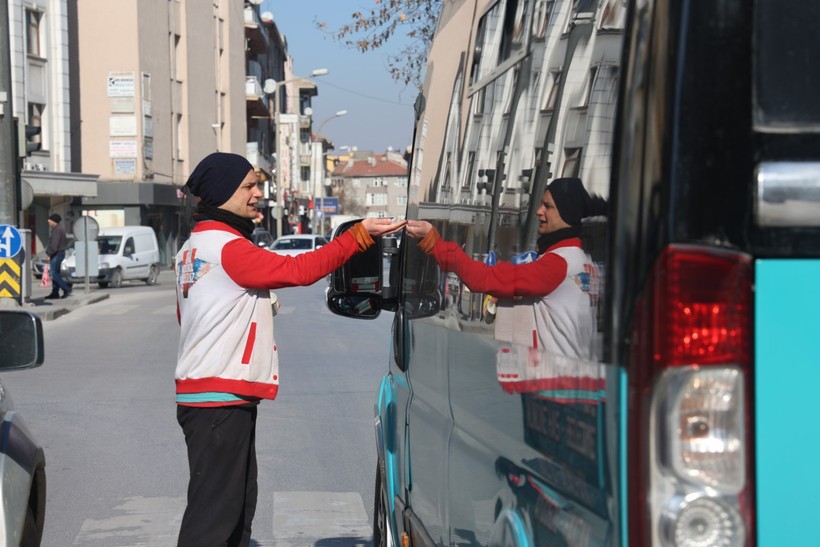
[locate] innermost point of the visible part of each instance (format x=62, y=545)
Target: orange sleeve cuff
x=361, y=236
x=429, y=241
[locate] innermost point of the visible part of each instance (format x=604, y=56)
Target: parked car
x=124, y=253
x=22, y=458
x=297, y=244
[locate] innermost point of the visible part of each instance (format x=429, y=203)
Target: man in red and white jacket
x=556, y=284
x=227, y=359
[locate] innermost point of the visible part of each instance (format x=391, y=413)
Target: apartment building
x=372, y=185
x=40, y=71
x=161, y=85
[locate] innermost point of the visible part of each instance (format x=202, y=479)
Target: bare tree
x=371, y=30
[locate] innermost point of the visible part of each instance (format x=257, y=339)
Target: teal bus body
x=787, y=375
x=687, y=417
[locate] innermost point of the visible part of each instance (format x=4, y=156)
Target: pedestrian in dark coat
x=55, y=251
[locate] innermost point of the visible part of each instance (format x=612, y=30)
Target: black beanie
x=573, y=201
x=55, y=217
x=217, y=177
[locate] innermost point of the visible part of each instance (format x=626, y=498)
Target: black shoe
x=65, y=294
x=53, y=296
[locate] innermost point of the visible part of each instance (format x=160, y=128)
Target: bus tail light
x=689, y=401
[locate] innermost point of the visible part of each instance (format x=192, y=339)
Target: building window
x=176, y=70
x=510, y=92
x=612, y=15
x=572, y=162
x=304, y=174
x=33, y=37
x=467, y=181
x=35, y=119
x=375, y=199
x=179, y=136
x=401, y=201
x=475, y=69
x=512, y=37
x=586, y=97
x=549, y=103
x=478, y=102
x=542, y=18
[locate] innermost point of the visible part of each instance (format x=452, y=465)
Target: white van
x=124, y=253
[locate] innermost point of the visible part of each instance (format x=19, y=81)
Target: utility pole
x=8, y=157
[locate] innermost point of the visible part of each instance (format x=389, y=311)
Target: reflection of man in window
x=557, y=283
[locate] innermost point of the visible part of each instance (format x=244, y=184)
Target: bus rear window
x=786, y=74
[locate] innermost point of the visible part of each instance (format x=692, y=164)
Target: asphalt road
x=103, y=407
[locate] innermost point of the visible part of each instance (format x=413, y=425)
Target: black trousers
x=222, y=488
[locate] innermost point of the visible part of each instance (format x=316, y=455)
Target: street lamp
x=338, y=114
x=320, y=194
x=272, y=86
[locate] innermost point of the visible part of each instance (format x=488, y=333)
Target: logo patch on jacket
x=190, y=270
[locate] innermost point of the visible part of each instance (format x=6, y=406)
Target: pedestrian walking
x=55, y=252
x=227, y=360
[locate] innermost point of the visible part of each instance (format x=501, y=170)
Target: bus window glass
x=786, y=76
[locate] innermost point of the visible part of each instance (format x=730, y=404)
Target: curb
x=64, y=308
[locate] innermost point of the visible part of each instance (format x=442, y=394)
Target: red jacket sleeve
x=256, y=268
x=505, y=280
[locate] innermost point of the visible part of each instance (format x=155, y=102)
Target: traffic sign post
x=86, y=230
x=11, y=243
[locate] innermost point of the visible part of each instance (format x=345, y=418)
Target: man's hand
x=418, y=228
x=382, y=226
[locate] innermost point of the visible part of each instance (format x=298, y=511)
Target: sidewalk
x=52, y=309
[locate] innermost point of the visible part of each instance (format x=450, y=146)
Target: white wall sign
x=122, y=126
x=125, y=167
x=121, y=84
x=121, y=104
x=122, y=149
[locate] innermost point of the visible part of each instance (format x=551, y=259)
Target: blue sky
x=380, y=110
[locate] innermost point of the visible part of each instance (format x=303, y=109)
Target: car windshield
x=286, y=244
x=108, y=245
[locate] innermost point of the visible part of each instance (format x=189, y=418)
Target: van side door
x=134, y=264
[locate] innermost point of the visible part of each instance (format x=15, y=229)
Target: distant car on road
x=297, y=244
x=261, y=237
x=21, y=458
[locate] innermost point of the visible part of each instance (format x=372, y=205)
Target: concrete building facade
x=161, y=86
x=40, y=55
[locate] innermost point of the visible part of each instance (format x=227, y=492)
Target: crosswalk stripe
x=137, y=522
x=165, y=310
x=299, y=517
x=116, y=309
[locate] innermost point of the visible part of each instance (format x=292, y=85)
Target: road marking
x=166, y=310
x=286, y=310
x=303, y=518
x=120, y=309
x=137, y=522
x=300, y=519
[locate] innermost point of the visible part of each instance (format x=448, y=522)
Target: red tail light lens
x=703, y=312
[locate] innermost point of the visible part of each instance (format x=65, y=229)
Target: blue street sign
x=328, y=205
x=10, y=241
x=525, y=258
x=491, y=259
